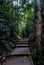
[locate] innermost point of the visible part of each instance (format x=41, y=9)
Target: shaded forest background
x=17, y=20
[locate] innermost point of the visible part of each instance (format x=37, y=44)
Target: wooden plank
x=22, y=42
x=21, y=45
x=20, y=51
x=18, y=55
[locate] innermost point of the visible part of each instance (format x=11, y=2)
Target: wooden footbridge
x=20, y=55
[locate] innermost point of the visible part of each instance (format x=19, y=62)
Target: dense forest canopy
x=18, y=14
x=16, y=21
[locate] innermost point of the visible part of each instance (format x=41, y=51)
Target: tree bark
x=38, y=23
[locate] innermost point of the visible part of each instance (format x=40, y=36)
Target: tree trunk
x=38, y=26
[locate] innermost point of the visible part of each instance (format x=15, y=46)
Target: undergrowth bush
x=39, y=57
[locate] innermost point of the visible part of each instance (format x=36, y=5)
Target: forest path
x=20, y=55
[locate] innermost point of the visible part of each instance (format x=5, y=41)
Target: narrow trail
x=20, y=55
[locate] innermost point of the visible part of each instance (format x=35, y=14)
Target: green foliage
x=13, y=22
x=4, y=37
x=8, y=15
x=27, y=19
x=38, y=57
x=42, y=15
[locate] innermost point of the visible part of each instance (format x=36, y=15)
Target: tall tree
x=38, y=26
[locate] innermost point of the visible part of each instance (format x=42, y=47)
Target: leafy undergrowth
x=39, y=57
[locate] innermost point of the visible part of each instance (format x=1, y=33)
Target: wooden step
x=20, y=52
x=24, y=39
x=18, y=55
x=22, y=45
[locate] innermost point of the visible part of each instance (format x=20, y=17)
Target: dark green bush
x=5, y=36
x=39, y=57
